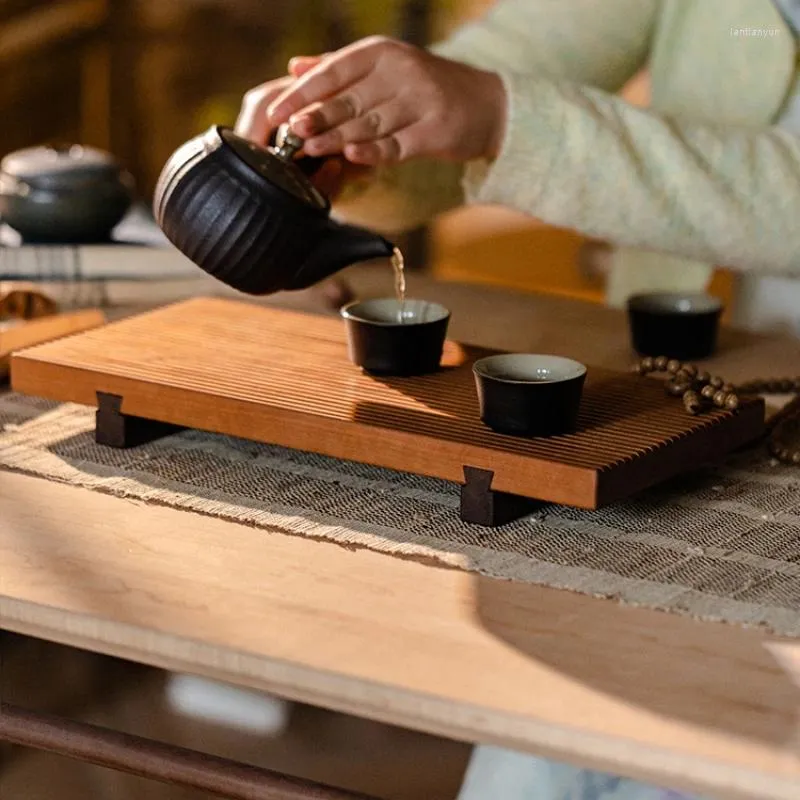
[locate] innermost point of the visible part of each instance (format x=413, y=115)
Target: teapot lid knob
x=287, y=143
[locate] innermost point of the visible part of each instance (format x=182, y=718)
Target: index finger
x=328, y=78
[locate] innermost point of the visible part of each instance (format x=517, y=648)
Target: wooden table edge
x=434, y=715
x=389, y=703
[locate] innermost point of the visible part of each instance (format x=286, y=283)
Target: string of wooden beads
x=701, y=391
x=784, y=432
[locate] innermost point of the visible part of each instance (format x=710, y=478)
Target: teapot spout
x=344, y=245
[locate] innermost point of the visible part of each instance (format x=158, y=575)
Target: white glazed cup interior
x=386, y=311
x=674, y=303
x=528, y=368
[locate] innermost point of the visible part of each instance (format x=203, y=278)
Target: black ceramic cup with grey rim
x=382, y=343
x=681, y=326
x=529, y=395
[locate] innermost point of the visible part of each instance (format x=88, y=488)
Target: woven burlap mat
x=721, y=545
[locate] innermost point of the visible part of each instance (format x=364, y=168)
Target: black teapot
x=66, y=194
x=251, y=216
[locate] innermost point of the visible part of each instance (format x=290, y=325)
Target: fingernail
x=302, y=125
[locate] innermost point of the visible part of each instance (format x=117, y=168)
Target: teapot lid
x=276, y=165
x=58, y=165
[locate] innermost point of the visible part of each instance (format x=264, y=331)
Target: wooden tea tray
x=284, y=378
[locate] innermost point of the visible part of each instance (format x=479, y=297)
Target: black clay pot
x=66, y=195
x=250, y=216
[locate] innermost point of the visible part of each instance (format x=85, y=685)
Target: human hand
x=381, y=100
x=253, y=122
x=254, y=125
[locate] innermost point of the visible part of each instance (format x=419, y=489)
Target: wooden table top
x=656, y=696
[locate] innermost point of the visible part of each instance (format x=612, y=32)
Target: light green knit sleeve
x=580, y=158
x=600, y=43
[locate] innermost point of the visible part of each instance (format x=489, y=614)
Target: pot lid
x=59, y=165
x=276, y=165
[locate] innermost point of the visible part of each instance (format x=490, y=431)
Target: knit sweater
x=702, y=177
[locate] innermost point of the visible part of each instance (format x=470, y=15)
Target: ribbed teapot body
x=234, y=224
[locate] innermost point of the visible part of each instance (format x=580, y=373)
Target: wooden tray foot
x=482, y=505
x=115, y=429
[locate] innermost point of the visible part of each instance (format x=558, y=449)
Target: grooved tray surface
x=285, y=378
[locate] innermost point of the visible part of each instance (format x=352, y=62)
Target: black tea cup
x=383, y=341
x=681, y=326
x=529, y=395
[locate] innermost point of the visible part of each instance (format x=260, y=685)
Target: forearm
x=580, y=158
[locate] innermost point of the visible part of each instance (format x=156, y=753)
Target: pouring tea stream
x=251, y=217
